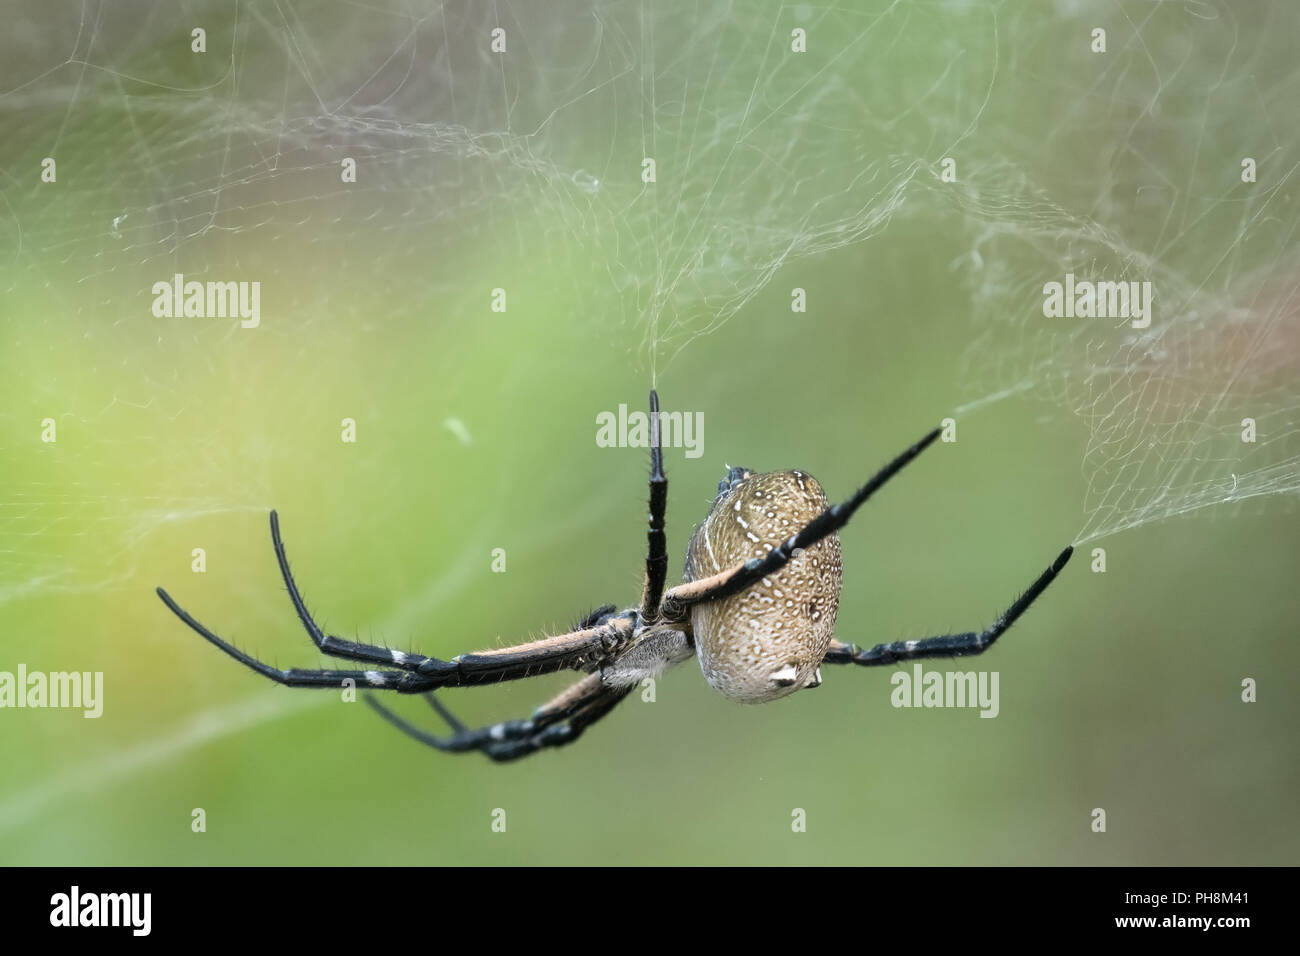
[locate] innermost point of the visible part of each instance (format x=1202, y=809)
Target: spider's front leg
x=416, y=673
x=561, y=720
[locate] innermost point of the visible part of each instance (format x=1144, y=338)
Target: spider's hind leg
x=948, y=645
x=675, y=608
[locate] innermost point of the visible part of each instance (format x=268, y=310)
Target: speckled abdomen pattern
x=768, y=641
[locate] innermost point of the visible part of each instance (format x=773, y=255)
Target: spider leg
x=544, y=656
x=415, y=673
x=678, y=601
x=656, y=562
x=327, y=643
x=403, y=681
x=567, y=703
x=581, y=704
x=948, y=645
x=560, y=734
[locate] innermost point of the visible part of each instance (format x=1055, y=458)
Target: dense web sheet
x=762, y=157
x=1193, y=95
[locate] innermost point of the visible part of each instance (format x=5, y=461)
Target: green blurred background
x=476, y=171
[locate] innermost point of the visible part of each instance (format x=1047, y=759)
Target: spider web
x=762, y=158
x=1192, y=91
x=223, y=162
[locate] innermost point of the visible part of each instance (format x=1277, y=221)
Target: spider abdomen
x=769, y=640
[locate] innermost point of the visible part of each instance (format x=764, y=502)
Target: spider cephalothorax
x=757, y=606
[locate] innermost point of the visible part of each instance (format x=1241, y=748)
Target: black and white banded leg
x=678, y=602
x=656, y=562
x=558, y=722
x=416, y=673
x=948, y=645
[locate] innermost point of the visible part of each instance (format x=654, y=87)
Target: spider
x=757, y=606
